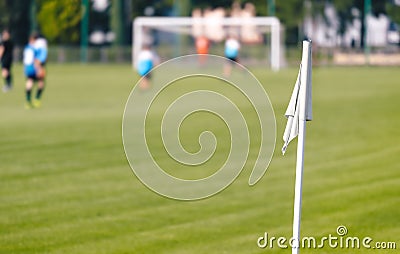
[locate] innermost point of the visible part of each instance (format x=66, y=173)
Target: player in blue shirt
x=232, y=47
x=40, y=46
x=30, y=71
x=145, y=62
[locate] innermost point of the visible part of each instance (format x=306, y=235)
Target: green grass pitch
x=66, y=186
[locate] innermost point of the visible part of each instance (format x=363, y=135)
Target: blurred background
x=344, y=32
x=65, y=183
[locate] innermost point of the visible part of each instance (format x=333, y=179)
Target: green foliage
x=393, y=12
x=16, y=17
x=59, y=20
x=4, y=15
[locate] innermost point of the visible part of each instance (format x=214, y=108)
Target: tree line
x=59, y=20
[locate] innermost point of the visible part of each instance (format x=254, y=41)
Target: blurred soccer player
x=40, y=46
x=30, y=71
x=146, y=61
x=202, y=46
x=231, y=51
x=6, y=56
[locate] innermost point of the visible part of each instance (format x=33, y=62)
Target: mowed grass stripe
x=176, y=230
x=86, y=221
x=66, y=186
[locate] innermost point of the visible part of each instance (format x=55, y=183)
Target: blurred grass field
x=66, y=186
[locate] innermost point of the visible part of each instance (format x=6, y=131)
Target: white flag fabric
x=293, y=112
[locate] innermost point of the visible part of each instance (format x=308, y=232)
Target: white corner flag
x=298, y=112
x=293, y=110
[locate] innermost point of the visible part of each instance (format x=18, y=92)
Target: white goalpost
x=188, y=26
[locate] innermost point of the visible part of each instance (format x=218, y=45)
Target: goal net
x=176, y=36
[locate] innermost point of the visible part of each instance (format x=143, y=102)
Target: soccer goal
x=175, y=36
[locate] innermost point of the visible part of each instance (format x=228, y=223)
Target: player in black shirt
x=6, y=56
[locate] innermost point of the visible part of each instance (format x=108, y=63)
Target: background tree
x=59, y=20
x=393, y=11
x=14, y=15
x=4, y=14
x=291, y=14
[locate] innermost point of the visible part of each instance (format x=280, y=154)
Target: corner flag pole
x=305, y=72
x=298, y=112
